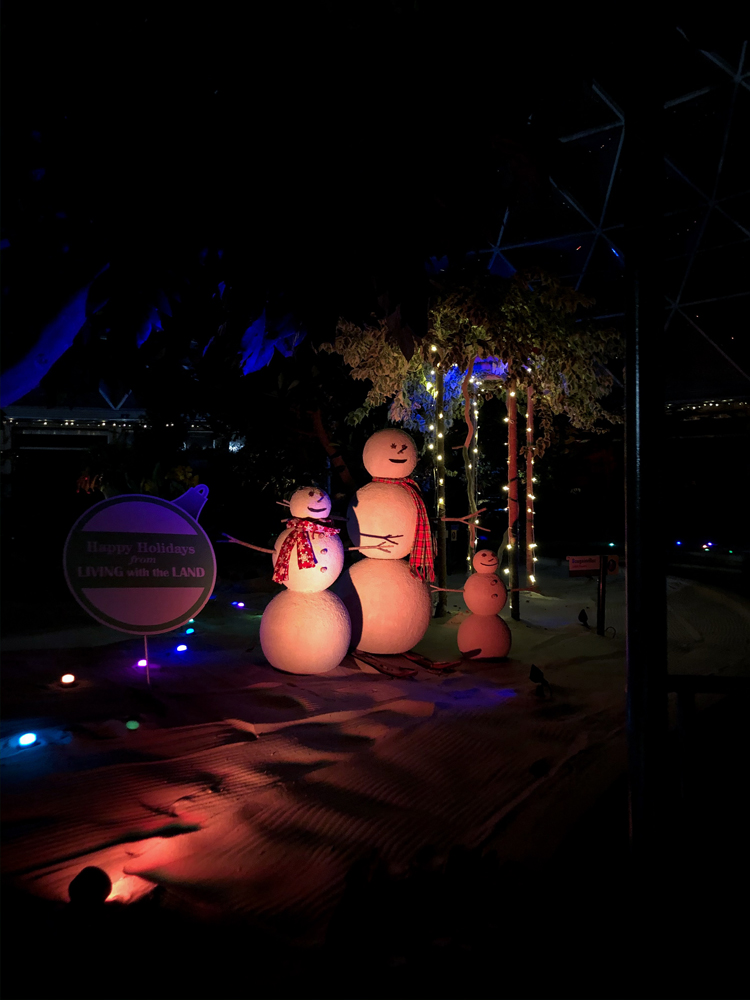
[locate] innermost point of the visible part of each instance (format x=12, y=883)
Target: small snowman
x=387, y=596
x=306, y=628
x=483, y=635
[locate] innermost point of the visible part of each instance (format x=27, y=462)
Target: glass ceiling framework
x=579, y=232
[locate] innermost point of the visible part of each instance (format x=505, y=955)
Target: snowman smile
x=400, y=461
x=316, y=510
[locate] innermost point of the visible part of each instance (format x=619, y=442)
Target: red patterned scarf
x=420, y=559
x=299, y=536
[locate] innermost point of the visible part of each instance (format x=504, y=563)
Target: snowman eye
x=311, y=493
x=393, y=446
x=323, y=551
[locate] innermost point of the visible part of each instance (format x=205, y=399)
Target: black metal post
x=601, y=595
x=646, y=649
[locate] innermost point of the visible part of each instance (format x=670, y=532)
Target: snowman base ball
x=487, y=633
x=305, y=633
x=389, y=608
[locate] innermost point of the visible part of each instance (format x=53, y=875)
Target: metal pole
x=646, y=649
x=513, y=509
x=530, y=574
x=442, y=555
x=603, y=562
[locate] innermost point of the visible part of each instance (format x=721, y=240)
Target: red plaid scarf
x=299, y=536
x=420, y=559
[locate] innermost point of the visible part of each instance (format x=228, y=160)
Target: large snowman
x=483, y=635
x=305, y=629
x=386, y=594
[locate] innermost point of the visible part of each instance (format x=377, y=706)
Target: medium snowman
x=483, y=635
x=305, y=629
x=387, y=595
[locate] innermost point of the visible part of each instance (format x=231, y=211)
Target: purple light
x=181, y=649
x=143, y=663
x=240, y=605
x=709, y=544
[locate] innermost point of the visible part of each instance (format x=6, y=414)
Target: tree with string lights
x=517, y=338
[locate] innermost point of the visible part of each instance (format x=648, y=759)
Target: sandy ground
x=252, y=792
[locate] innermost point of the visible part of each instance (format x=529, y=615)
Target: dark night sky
x=321, y=146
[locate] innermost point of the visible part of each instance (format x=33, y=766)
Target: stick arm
x=247, y=545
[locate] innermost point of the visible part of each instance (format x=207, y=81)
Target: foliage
x=527, y=323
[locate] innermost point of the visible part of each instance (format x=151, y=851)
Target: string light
x=506, y=570
x=440, y=434
x=430, y=446
x=513, y=394
x=433, y=348
x=440, y=416
x=432, y=427
x=442, y=481
x=440, y=458
x=532, y=578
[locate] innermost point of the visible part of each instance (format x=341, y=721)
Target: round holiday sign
x=139, y=564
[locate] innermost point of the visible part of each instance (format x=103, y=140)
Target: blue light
x=234, y=603
x=614, y=252
x=678, y=543
x=27, y=739
x=709, y=544
x=611, y=545
x=181, y=649
x=190, y=621
x=189, y=630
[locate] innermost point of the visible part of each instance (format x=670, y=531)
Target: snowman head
x=310, y=502
x=390, y=454
x=485, y=561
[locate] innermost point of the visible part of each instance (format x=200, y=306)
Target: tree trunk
x=442, y=554
x=530, y=540
x=338, y=462
x=469, y=465
x=513, y=509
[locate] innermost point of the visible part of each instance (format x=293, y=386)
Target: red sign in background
x=139, y=564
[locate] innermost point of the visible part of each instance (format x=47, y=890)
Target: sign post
x=601, y=594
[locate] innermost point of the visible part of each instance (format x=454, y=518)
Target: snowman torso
x=328, y=555
x=382, y=509
x=485, y=594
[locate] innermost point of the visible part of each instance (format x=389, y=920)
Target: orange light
x=67, y=679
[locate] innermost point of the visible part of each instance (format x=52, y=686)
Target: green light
x=730, y=552
x=132, y=724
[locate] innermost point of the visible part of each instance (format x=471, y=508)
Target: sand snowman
x=386, y=595
x=484, y=635
x=305, y=629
